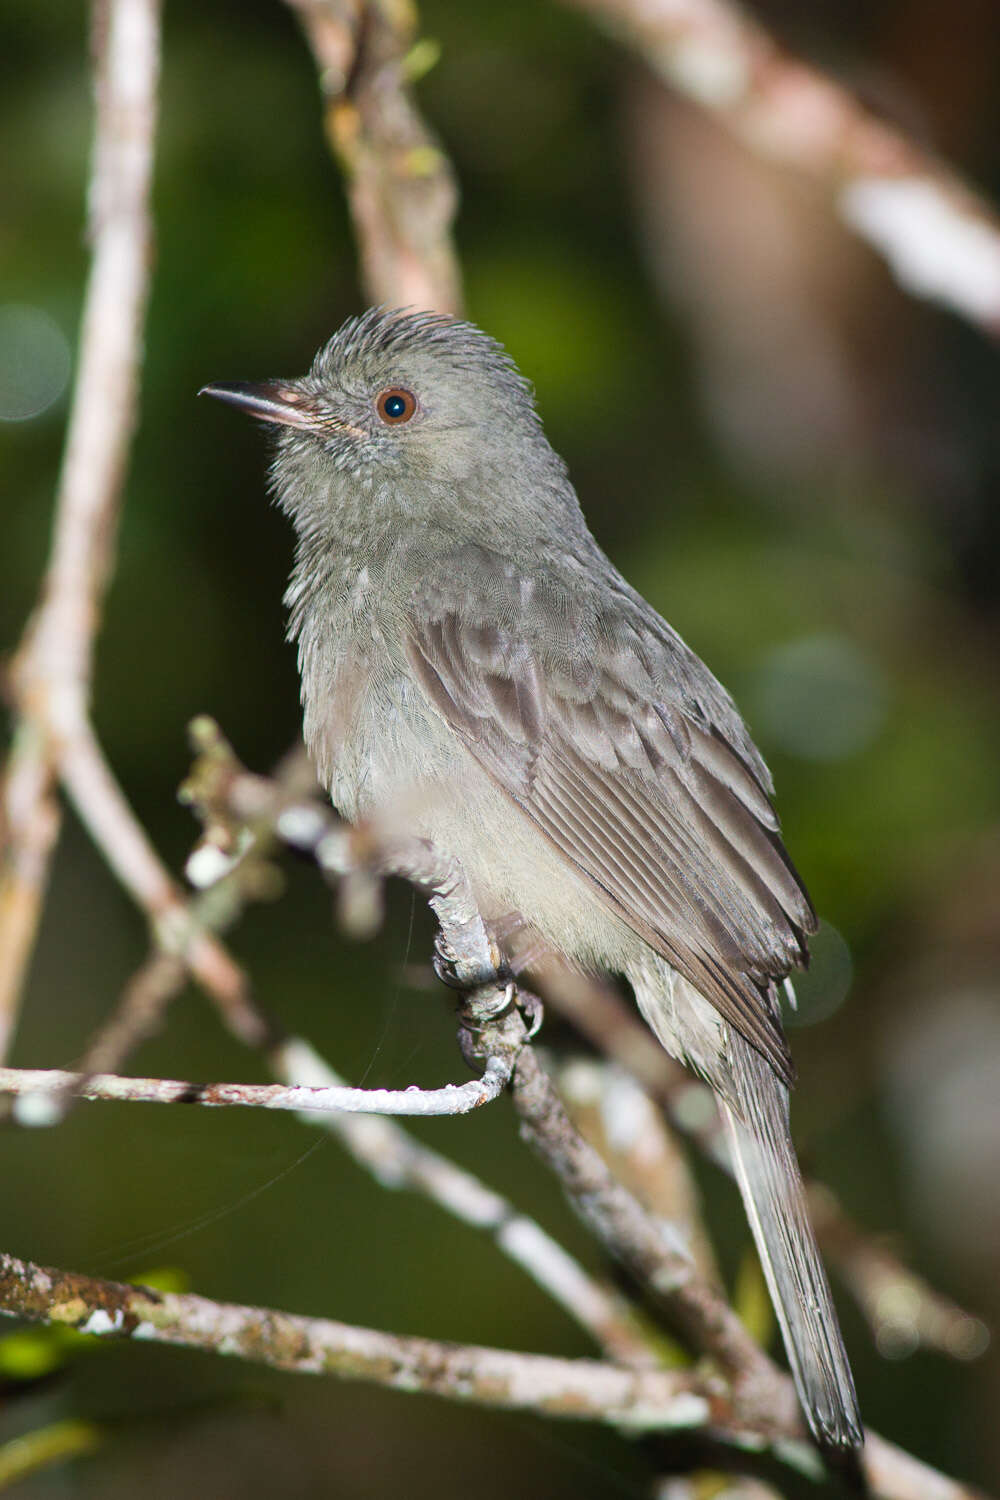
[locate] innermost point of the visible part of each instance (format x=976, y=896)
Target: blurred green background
x=794, y=462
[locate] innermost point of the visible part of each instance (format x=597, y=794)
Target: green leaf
x=40, y=1449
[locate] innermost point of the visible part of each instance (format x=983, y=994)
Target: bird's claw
x=444, y=965
x=532, y=1010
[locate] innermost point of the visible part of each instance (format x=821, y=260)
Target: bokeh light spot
x=823, y=987
x=34, y=362
x=819, y=697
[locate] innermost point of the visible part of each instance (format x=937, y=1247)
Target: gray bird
x=476, y=671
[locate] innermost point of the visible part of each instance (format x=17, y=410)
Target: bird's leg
x=506, y=925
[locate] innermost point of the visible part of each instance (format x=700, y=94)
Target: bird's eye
x=395, y=405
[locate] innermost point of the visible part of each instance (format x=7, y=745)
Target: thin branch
x=138, y=1014
x=572, y=1389
x=29, y=828
x=117, y=832
x=161, y=976
x=50, y=677
x=36, y=1086
x=400, y=184
x=464, y=948
x=940, y=238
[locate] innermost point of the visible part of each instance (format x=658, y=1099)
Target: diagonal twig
x=400, y=186
x=939, y=237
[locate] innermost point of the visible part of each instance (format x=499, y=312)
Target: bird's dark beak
x=268, y=401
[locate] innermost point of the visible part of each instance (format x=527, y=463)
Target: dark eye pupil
x=395, y=406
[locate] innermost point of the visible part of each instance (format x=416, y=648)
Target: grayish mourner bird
x=475, y=671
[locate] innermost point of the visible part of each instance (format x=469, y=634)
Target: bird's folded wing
x=607, y=745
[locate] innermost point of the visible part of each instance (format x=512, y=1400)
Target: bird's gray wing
x=603, y=728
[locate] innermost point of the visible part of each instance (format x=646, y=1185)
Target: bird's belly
x=402, y=767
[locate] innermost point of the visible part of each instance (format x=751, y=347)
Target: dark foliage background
x=793, y=461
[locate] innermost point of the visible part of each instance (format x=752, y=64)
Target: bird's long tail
x=768, y=1174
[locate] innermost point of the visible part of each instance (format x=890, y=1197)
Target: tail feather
x=773, y=1195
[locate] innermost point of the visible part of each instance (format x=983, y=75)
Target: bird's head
x=400, y=409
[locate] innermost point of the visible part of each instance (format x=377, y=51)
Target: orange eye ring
x=395, y=405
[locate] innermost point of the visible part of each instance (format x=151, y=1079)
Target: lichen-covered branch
x=400, y=185
x=940, y=238
x=644, y=1400
x=571, y=1389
